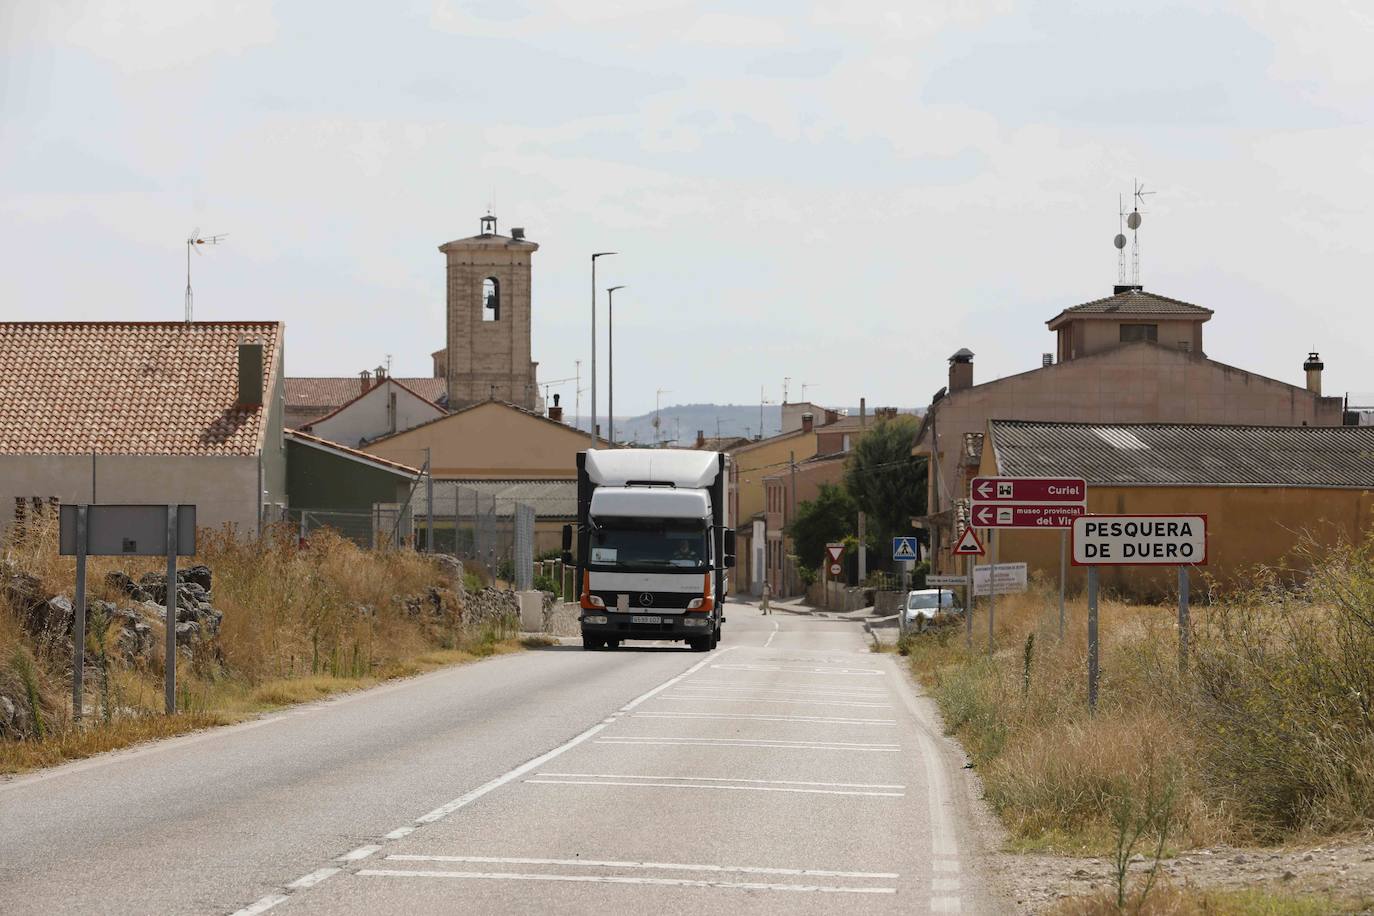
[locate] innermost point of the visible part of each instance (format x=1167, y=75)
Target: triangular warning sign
x=969, y=545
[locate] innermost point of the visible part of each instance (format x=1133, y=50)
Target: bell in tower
x=488, y=225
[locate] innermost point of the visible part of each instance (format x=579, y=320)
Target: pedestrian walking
x=763, y=605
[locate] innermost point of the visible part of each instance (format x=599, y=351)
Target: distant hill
x=680, y=422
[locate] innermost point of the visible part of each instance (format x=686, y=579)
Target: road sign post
x=1063, y=553
x=1138, y=540
x=126, y=530
x=992, y=586
x=968, y=602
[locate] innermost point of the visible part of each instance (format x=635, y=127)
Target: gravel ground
x=1343, y=869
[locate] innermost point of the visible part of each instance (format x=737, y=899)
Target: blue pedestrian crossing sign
x=905, y=549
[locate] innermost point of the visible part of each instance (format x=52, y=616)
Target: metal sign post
x=1063, y=553
x=169, y=667
x=992, y=586
x=1183, y=622
x=79, y=626
x=1092, y=638
x=968, y=603
x=121, y=531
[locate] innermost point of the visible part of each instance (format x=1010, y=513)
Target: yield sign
x=969, y=545
x=835, y=551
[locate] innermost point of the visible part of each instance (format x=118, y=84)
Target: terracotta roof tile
x=129, y=388
x=329, y=393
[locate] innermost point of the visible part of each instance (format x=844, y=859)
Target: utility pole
x=591, y=436
x=863, y=547
x=792, y=510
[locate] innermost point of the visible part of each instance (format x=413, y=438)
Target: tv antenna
x=1133, y=223
x=193, y=240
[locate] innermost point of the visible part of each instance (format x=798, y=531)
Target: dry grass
x=1186, y=901
x=299, y=625
x=1267, y=736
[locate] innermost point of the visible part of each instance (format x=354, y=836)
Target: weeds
x=1269, y=732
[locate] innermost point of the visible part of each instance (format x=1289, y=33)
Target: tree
x=828, y=517
x=885, y=480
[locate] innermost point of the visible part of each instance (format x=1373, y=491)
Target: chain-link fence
x=385, y=527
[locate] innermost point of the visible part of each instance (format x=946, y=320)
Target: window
x=491, y=299
x=1133, y=332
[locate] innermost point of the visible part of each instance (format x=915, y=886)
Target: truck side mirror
x=729, y=561
x=567, y=544
x=730, y=543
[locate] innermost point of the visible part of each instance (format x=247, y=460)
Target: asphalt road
x=789, y=771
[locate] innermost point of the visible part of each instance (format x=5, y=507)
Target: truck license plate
x=640, y=619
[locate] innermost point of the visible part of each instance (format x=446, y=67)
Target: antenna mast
x=194, y=239
x=1133, y=221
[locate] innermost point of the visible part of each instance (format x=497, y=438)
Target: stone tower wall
x=489, y=358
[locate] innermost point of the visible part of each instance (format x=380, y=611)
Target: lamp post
x=610, y=359
x=592, y=431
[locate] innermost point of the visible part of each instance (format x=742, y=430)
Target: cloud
x=160, y=34
x=729, y=29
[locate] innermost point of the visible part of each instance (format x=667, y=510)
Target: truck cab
x=654, y=545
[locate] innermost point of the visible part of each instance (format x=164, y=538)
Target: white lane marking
x=671, y=681
x=776, y=782
x=315, y=877
x=678, y=785
x=942, y=842
x=761, y=699
x=945, y=865
x=621, y=879
x=261, y=905
x=769, y=641
x=655, y=739
x=817, y=670
x=687, y=742
x=756, y=717
x=944, y=885
x=657, y=866
x=944, y=905
x=790, y=690
x=400, y=833
x=357, y=855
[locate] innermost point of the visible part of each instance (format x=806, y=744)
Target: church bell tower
x=488, y=352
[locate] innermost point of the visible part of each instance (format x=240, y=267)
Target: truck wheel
x=592, y=642
x=715, y=639
x=612, y=644
x=699, y=644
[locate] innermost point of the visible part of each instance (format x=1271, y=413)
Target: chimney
x=380, y=373
x=1313, y=367
x=701, y=438
x=961, y=370
x=863, y=412
x=808, y=422
x=250, y=374
x=517, y=233
x=556, y=411
x=1046, y=359
x=364, y=381
x=831, y=416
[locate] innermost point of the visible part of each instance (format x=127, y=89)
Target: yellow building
x=1262, y=488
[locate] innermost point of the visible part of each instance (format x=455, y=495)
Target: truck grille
x=666, y=601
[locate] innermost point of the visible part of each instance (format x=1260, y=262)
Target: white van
x=927, y=605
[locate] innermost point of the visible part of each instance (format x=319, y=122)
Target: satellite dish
x=1133, y=221
x=1119, y=241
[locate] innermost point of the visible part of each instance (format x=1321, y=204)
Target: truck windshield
x=667, y=543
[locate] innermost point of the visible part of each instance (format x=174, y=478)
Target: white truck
x=654, y=544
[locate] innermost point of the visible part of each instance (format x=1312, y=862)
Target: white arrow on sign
x=984, y=489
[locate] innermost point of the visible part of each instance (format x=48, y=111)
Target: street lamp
x=610, y=358
x=592, y=431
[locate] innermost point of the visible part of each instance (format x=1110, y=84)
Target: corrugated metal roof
x=1164, y=454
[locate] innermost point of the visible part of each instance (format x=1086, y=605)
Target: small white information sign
x=946, y=581
x=1140, y=540
x=1005, y=577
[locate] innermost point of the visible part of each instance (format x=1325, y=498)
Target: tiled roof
x=362, y=394
x=1164, y=454
x=328, y=393
x=130, y=388
x=1134, y=302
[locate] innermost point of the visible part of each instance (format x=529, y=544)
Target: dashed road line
x=621, y=879
x=654, y=866
x=315, y=877
x=357, y=855
x=678, y=785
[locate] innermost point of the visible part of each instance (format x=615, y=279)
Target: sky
x=837, y=193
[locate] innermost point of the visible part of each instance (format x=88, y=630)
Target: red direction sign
x=1029, y=490
x=1055, y=515
x=968, y=544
